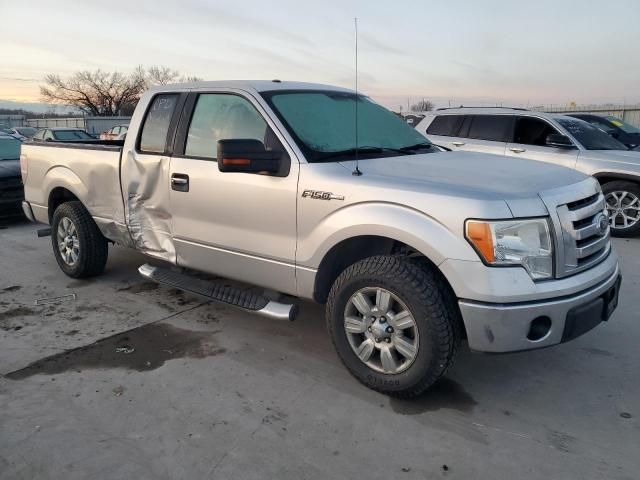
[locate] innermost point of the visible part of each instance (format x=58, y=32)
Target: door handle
x=180, y=182
x=518, y=150
x=457, y=144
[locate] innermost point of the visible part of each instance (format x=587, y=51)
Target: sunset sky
x=470, y=52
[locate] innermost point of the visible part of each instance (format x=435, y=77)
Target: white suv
x=549, y=138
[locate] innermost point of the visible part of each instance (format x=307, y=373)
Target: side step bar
x=220, y=292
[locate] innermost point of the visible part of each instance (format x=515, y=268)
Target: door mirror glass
x=248, y=156
x=558, y=140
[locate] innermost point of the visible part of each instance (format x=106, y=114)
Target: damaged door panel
x=145, y=179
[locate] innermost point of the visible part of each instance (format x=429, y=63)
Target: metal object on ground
x=220, y=292
x=62, y=298
x=381, y=330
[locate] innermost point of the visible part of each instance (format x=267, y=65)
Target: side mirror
x=557, y=140
x=48, y=140
x=246, y=155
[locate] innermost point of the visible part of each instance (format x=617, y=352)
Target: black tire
x=432, y=305
x=93, y=248
x=624, y=186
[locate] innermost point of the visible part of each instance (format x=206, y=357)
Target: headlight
x=514, y=242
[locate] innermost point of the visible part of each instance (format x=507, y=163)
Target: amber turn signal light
x=236, y=161
x=479, y=234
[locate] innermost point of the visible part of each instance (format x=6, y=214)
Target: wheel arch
x=62, y=185
x=57, y=197
x=606, y=177
x=353, y=249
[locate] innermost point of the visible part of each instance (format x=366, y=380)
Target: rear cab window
x=155, y=129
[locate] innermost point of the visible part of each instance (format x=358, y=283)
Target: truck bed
x=91, y=171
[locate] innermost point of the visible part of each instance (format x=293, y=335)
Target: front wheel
x=394, y=324
x=623, y=204
x=78, y=245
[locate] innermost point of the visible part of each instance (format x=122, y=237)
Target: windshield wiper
x=417, y=146
x=351, y=151
x=369, y=149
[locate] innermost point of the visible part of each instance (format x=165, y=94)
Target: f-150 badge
x=318, y=195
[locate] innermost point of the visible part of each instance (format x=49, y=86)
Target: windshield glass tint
x=590, y=137
x=9, y=148
x=323, y=122
x=70, y=135
x=624, y=126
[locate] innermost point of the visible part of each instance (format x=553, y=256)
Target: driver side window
x=532, y=131
x=220, y=116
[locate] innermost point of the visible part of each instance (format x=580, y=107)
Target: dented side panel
x=145, y=184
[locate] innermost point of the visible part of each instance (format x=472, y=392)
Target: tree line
x=100, y=93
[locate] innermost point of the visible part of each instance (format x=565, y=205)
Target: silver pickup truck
x=269, y=183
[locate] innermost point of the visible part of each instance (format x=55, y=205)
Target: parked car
x=552, y=138
x=411, y=248
x=23, y=133
x=11, y=190
x=618, y=129
x=63, y=134
x=115, y=133
x=10, y=132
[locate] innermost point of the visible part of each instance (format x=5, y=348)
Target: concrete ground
x=212, y=392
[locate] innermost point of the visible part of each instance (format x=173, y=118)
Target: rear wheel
x=623, y=204
x=394, y=324
x=78, y=245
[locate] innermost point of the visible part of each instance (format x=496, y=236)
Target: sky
x=480, y=52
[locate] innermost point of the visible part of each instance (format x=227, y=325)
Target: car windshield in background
x=71, y=135
x=624, y=126
x=9, y=148
x=591, y=138
x=323, y=125
x=26, y=131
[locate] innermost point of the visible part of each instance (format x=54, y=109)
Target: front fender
x=412, y=227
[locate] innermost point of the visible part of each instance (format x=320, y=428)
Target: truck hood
x=9, y=168
x=469, y=174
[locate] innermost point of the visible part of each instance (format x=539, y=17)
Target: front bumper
x=513, y=327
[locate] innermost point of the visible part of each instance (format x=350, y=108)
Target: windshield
x=624, y=126
x=9, y=148
x=590, y=137
x=26, y=131
x=323, y=125
x=71, y=135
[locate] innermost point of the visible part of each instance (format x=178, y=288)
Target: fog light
x=539, y=328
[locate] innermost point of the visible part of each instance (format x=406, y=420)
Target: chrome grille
x=583, y=240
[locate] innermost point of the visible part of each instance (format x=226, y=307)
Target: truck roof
x=253, y=85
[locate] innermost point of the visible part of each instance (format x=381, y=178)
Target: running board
x=220, y=292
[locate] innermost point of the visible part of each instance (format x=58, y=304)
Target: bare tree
x=422, y=106
x=103, y=93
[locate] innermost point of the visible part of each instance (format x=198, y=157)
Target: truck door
x=237, y=225
x=145, y=177
x=529, y=141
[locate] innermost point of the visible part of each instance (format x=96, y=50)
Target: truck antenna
x=357, y=171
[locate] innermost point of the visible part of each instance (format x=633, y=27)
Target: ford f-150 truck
x=270, y=183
